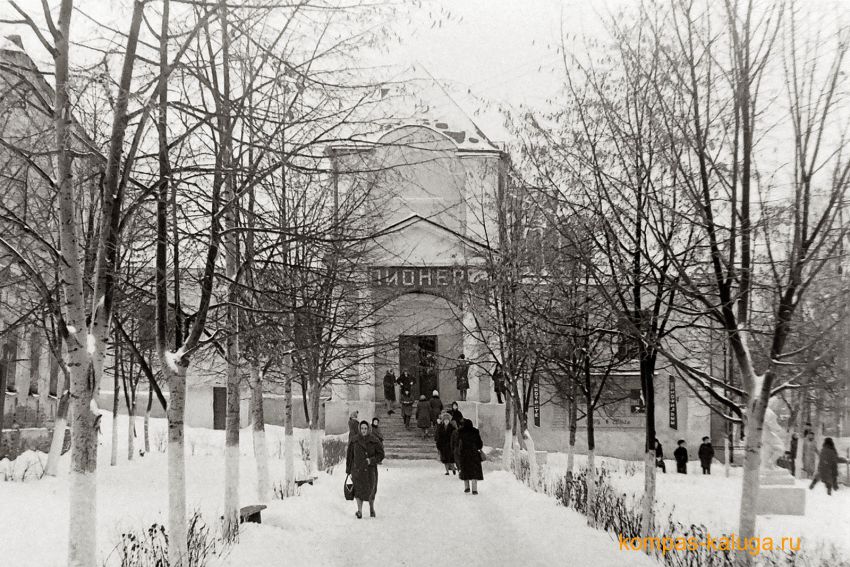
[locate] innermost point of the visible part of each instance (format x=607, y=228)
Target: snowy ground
x=714, y=501
x=424, y=518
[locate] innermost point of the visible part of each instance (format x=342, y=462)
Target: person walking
x=423, y=415
x=828, y=466
x=706, y=455
x=389, y=391
x=405, y=382
x=810, y=455
x=462, y=377
x=436, y=405
x=406, y=408
x=659, y=456
x=376, y=430
x=499, y=382
x=443, y=439
x=793, y=451
x=457, y=416
x=469, y=453
x=681, y=456
x=353, y=427
x=364, y=455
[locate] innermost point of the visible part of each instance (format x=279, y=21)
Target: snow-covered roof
x=419, y=102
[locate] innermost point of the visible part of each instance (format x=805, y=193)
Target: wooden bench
x=251, y=514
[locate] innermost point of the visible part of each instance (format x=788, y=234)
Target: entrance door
x=418, y=356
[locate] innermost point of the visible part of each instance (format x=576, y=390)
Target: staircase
x=401, y=443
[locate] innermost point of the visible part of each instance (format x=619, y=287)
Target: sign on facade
x=427, y=277
x=674, y=416
x=536, y=395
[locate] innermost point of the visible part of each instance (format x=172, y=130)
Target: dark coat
x=406, y=405
x=423, y=414
x=462, y=375
x=443, y=438
x=436, y=407
x=469, y=445
x=828, y=464
x=659, y=452
x=457, y=417
x=389, y=386
x=353, y=429
x=794, y=441
x=499, y=380
x=455, y=442
x=376, y=431
x=405, y=382
x=361, y=462
x=705, y=454
x=681, y=455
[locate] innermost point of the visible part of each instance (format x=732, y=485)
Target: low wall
x=13, y=442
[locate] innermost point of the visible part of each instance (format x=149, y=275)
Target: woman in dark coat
x=443, y=437
x=469, y=447
x=364, y=455
x=436, y=407
x=423, y=415
x=389, y=390
x=457, y=417
x=828, y=466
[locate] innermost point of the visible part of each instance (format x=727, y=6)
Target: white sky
x=490, y=52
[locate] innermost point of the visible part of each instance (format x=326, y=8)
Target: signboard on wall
x=674, y=415
x=400, y=277
x=535, y=393
x=621, y=403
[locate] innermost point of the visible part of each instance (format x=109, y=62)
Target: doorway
x=417, y=354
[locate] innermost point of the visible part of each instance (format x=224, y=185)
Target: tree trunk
x=261, y=453
x=591, y=464
x=147, y=421
x=82, y=540
x=647, y=377
x=756, y=410
x=288, y=437
x=573, y=417
x=60, y=424
x=231, y=441
x=178, y=548
x=131, y=429
x=507, y=448
x=113, y=457
x=315, y=432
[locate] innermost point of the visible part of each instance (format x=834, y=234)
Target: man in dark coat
x=406, y=407
x=405, y=382
x=468, y=449
x=681, y=456
x=389, y=390
x=706, y=455
x=361, y=462
x=659, y=456
x=462, y=376
x=443, y=439
x=499, y=382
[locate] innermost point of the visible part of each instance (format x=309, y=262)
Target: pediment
x=417, y=241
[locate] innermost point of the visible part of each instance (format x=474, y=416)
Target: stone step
x=411, y=456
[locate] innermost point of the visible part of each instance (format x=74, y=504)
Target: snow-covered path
x=425, y=519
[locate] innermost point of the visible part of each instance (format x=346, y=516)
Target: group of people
x=819, y=466
x=705, y=453
x=815, y=465
x=460, y=447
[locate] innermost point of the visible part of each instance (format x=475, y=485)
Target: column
x=472, y=349
x=366, y=364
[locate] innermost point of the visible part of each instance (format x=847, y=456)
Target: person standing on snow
x=469, y=454
x=423, y=415
x=443, y=438
x=810, y=455
x=436, y=407
x=659, y=456
x=706, y=455
x=406, y=408
x=462, y=377
x=361, y=462
x=681, y=456
x=389, y=390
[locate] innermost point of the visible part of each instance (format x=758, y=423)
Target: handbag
x=348, y=488
x=482, y=454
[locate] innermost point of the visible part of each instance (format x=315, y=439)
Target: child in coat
x=681, y=456
x=406, y=408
